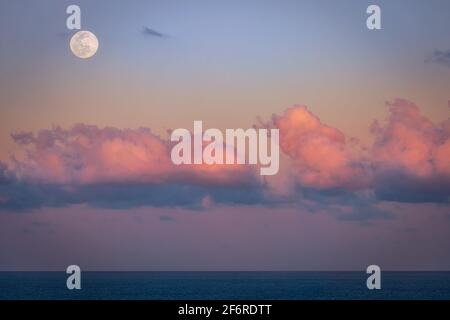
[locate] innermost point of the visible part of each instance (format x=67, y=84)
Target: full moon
x=84, y=44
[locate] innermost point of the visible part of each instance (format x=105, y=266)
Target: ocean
x=225, y=286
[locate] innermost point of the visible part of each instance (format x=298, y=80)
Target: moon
x=84, y=44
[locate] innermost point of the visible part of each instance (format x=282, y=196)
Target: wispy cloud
x=440, y=57
x=152, y=32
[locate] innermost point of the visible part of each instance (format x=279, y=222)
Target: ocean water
x=225, y=285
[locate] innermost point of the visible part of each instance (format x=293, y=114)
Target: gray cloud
x=440, y=57
x=19, y=196
x=152, y=32
x=400, y=186
x=4, y=179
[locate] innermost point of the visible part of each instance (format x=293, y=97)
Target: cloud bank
x=124, y=168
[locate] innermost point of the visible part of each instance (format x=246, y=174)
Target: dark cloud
x=440, y=57
x=18, y=196
x=3, y=173
x=345, y=205
x=152, y=32
x=403, y=187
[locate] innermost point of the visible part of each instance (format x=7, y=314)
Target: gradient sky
x=227, y=63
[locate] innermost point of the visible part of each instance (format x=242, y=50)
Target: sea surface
x=225, y=285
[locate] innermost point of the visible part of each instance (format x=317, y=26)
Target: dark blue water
x=225, y=285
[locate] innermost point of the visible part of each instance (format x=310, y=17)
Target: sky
x=85, y=170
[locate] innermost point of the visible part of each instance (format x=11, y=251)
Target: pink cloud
x=408, y=162
x=323, y=157
x=88, y=155
x=410, y=142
